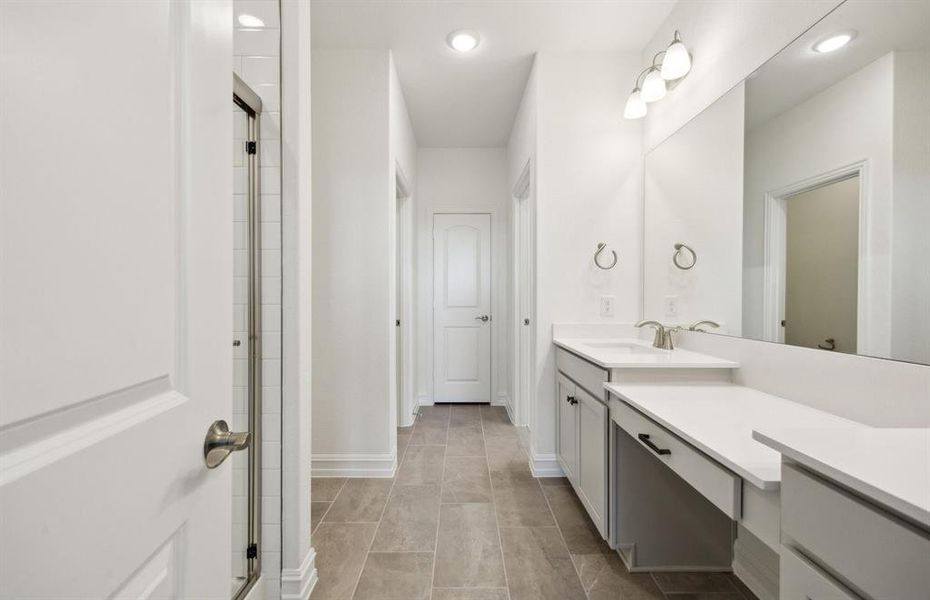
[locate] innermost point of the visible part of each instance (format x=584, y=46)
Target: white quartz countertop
x=632, y=353
x=887, y=465
x=719, y=419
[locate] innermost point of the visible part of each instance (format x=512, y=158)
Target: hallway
x=463, y=519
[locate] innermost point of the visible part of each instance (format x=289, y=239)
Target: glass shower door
x=246, y=341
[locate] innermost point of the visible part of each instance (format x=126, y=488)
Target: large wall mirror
x=796, y=209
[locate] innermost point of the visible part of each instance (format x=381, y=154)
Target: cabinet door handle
x=644, y=438
x=571, y=400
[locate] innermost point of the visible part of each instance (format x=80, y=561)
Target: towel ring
x=678, y=248
x=601, y=246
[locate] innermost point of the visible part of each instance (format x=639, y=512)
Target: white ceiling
x=798, y=73
x=470, y=100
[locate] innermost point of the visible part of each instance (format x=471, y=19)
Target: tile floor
x=463, y=519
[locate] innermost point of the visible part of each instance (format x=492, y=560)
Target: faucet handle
x=697, y=326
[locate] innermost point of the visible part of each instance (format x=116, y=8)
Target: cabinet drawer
x=714, y=482
x=589, y=376
x=869, y=549
x=800, y=580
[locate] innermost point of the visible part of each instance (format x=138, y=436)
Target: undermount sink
x=625, y=348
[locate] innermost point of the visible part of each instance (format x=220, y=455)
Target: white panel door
x=115, y=297
x=462, y=308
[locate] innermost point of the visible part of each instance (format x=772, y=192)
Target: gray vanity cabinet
x=582, y=426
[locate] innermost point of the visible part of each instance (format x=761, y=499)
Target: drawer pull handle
x=644, y=438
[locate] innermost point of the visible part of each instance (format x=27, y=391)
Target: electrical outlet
x=671, y=306
x=607, y=306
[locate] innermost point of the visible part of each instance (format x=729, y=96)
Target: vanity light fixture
x=677, y=61
x=247, y=20
x=834, y=42
x=651, y=84
x=463, y=41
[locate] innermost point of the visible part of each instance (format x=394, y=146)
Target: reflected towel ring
x=601, y=246
x=678, y=248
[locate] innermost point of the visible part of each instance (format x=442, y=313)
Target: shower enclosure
x=246, y=339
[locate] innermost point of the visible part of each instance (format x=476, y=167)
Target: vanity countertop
x=890, y=466
x=631, y=353
x=719, y=419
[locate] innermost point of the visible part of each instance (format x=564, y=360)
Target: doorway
x=462, y=319
x=822, y=266
x=246, y=340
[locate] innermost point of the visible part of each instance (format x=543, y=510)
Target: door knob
x=484, y=318
x=221, y=442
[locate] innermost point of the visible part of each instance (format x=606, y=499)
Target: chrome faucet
x=663, y=337
x=697, y=326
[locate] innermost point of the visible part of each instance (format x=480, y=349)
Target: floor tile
x=468, y=552
x=317, y=510
x=519, y=501
x=437, y=412
x=605, y=577
x=410, y=520
x=396, y=576
x=538, y=565
x=743, y=588
x=469, y=594
x=705, y=596
x=466, y=479
x=544, y=481
x=403, y=439
x=422, y=464
x=465, y=439
x=506, y=455
x=361, y=500
x=341, y=550
x=323, y=489
x=466, y=413
x=679, y=583
x=579, y=532
x=430, y=433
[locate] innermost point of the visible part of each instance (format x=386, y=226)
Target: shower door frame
x=246, y=99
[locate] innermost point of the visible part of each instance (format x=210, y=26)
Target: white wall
x=694, y=195
x=910, y=305
x=848, y=122
x=403, y=156
x=589, y=190
x=352, y=263
x=729, y=39
x=464, y=180
x=256, y=55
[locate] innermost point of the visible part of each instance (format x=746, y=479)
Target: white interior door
x=115, y=298
x=462, y=307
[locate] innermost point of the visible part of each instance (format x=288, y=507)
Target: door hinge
x=251, y=551
x=251, y=147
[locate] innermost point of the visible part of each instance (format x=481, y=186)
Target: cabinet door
x=568, y=427
x=800, y=580
x=592, y=458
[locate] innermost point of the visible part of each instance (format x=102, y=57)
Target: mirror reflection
x=804, y=194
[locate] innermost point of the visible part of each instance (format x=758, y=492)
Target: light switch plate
x=607, y=306
x=671, y=305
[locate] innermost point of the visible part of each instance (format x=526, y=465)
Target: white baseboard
x=353, y=465
x=756, y=565
x=545, y=465
x=297, y=584
x=424, y=400
x=501, y=399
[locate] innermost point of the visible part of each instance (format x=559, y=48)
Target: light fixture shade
x=653, y=86
x=677, y=61
x=635, y=106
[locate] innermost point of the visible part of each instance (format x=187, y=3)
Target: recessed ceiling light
x=247, y=20
x=463, y=41
x=834, y=42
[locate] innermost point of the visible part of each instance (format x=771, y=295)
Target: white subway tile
x=260, y=69
x=255, y=42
